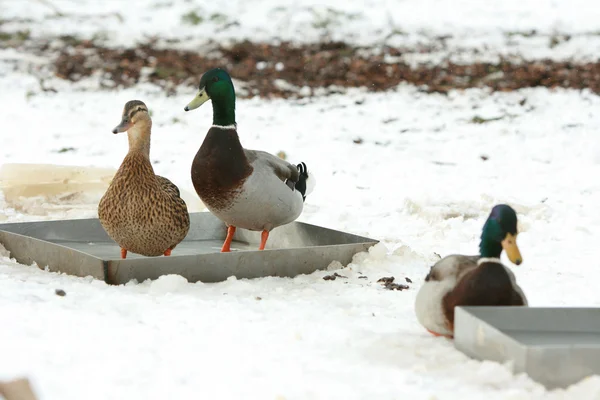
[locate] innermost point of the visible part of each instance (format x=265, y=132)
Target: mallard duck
x=459, y=280
x=141, y=211
x=249, y=189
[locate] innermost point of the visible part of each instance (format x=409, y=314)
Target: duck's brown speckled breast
x=141, y=211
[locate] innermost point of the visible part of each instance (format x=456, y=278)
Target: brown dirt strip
x=319, y=65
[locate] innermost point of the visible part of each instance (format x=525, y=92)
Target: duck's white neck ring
x=233, y=127
x=489, y=260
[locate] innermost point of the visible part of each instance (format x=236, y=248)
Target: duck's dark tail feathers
x=306, y=182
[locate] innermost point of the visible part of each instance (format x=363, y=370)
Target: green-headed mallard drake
x=141, y=211
x=458, y=280
x=249, y=189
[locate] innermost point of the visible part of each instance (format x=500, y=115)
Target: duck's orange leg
x=123, y=253
x=440, y=334
x=167, y=252
x=263, y=239
x=227, y=245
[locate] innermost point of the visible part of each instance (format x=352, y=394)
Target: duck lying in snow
x=458, y=280
x=141, y=211
x=249, y=189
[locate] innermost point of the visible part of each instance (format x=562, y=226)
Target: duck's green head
x=500, y=232
x=215, y=85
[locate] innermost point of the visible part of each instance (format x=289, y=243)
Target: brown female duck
x=141, y=211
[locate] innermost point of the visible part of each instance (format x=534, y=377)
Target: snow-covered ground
x=417, y=182
x=422, y=180
x=462, y=30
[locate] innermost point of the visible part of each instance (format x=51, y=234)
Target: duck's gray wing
x=451, y=265
x=283, y=169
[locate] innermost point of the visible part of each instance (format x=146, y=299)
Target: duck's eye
x=140, y=109
x=215, y=79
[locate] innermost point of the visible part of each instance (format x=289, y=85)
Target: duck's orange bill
x=439, y=334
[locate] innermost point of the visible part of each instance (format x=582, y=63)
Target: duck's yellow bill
x=201, y=98
x=509, y=244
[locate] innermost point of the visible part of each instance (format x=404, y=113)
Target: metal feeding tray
x=556, y=347
x=81, y=247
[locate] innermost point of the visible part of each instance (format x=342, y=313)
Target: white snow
x=417, y=182
x=471, y=29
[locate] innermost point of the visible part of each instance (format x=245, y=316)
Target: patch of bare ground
x=291, y=70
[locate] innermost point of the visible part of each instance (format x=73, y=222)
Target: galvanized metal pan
x=81, y=247
x=556, y=347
